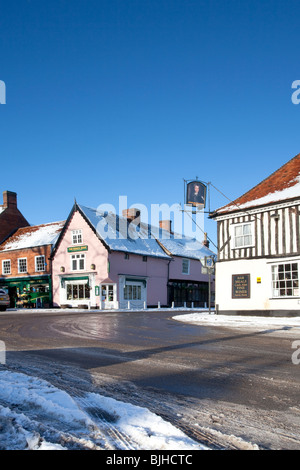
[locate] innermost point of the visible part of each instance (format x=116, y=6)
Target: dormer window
x=76, y=237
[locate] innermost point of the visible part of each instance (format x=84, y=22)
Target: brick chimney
x=205, y=241
x=132, y=214
x=9, y=199
x=166, y=225
x=10, y=217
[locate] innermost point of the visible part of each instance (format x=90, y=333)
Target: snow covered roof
x=184, y=246
x=120, y=235
x=36, y=235
x=282, y=185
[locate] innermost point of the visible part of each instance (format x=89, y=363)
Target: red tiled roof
x=281, y=185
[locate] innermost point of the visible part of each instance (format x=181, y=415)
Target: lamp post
x=208, y=262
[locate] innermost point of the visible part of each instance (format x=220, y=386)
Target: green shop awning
x=78, y=278
x=17, y=281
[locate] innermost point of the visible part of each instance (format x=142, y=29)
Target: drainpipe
x=168, y=279
x=50, y=284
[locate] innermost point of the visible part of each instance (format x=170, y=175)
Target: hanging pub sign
x=196, y=194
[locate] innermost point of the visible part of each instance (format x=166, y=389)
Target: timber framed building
x=259, y=247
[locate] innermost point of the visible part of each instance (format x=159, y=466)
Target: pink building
x=108, y=262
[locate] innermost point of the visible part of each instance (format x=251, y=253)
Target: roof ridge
x=270, y=175
x=261, y=183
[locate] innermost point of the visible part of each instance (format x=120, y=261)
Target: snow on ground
x=35, y=415
x=241, y=321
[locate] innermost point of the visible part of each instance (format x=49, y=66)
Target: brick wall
x=30, y=254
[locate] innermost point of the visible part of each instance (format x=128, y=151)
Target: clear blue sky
x=129, y=97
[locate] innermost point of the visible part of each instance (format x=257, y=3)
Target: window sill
x=285, y=298
x=242, y=247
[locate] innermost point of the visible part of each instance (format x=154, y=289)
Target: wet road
x=151, y=349
x=248, y=369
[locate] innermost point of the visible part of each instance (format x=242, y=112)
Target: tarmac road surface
x=223, y=387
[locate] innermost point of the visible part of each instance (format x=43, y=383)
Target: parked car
x=4, y=300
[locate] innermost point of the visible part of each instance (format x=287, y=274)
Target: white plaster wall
x=260, y=293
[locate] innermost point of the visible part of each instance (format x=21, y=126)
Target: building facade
x=25, y=267
x=259, y=247
x=108, y=262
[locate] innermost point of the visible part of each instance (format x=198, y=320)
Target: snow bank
x=35, y=415
x=240, y=321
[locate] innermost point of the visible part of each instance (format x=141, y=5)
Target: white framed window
x=132, y=292
x=78, y=262
x=108, y=293
x=242, y=235
x=6, y=266
x=22, y=265
x=285, y=280
x=40, y=264
x=76, y=237
x=185, y=266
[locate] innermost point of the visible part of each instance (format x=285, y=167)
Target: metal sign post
x=208, y=262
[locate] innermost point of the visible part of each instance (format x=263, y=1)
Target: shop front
x=78, y=291
x=29, y=292
x=108, y=289
x=133, y=291
x=190, y=294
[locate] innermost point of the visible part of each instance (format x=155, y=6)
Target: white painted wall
x=260, y=293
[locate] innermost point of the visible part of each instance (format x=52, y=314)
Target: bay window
x=78, y=291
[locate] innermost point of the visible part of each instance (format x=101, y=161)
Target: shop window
x=78, y=262
x=78, y=291
x=76, y=237
x=285, y=280
x=132, y=292
x=6, y=266
x=107, y=293
x=22, y=265
x=185, y=266
x=40, y=263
